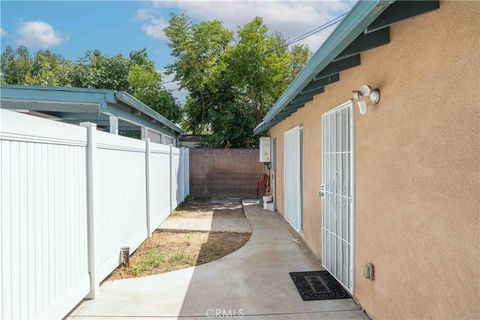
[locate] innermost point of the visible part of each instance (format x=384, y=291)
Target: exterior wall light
x=365, y=97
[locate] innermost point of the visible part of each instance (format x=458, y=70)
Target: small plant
x=169, y=251
x=178, y=256
x=150, y=261
x=188, y=240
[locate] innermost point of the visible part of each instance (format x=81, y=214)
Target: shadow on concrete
x=254, y=281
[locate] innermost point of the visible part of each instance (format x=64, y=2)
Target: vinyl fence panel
x=159, y=189
x=181, y=172
x=43, y=225
x=175, y=167
x=186, y=172
x=71, y=197
x=120, y=189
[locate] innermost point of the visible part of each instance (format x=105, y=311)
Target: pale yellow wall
x=417, y=167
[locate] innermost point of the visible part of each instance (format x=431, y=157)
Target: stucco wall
x=417, y=167
x=225, y=172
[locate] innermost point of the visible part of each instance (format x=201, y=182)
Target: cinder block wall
x=217, y=173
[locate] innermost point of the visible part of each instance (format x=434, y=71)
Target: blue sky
x=72, y=27
x=109, y=26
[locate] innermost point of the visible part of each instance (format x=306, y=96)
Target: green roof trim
x=339, y=65
x=365, y=27
x=401, y=10
x=140, y=106
x=85, y=104
x=321, y=82
x=356, y=21
x=366, y=41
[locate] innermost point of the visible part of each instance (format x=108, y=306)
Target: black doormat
x=318, y=285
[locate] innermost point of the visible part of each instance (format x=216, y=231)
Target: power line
x=318, y=29
x=298, y=38
x=311, y=32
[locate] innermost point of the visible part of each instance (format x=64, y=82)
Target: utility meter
x=265, y=149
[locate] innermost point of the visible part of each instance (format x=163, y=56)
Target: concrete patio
x=252, y=281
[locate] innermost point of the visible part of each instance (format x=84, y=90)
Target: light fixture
x=372, y=96
x=362, y=107
x=356, y=94
x=365, y=90
x=375, y=96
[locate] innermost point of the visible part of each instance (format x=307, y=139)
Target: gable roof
x=364, y=27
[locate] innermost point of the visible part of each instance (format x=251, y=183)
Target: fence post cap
x=88, y=124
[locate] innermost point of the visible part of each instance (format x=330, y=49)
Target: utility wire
x=301, y=37
x=318, y=29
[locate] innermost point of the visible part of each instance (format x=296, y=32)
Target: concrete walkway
x=206, y=224
x=252, y=281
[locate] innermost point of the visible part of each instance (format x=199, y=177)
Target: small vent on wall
x=369, y=271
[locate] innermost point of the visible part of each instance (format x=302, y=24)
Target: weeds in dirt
x=150, y=261
x=168, y=251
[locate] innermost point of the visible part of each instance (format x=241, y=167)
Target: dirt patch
x=168, y=251
x=206, y=208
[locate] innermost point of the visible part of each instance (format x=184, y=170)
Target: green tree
x=103, y=72
x=16, y=65
x=199, y=50
x=232, y=81
x=50, y=69
x=146, y=85
x=135, y=74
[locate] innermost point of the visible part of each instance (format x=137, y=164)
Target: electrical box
x=265, y=149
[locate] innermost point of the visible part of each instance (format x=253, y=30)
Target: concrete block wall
x=217, y=173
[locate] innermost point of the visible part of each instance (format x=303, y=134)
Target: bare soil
x=168, y=251
x=205, y=208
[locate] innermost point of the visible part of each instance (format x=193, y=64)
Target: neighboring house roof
x=193, y=137
x=365, y=27
x=86, y=105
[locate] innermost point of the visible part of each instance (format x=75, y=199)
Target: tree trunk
x=203, y=116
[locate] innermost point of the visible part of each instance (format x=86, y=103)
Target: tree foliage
x=134, y=74
x=199, y=50
x=232, y=78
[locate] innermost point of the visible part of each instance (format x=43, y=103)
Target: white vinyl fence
x=71, y=197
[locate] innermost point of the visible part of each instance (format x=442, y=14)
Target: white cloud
x=154, y=28
x=291, y=18
x=143, y=14
x=38, y=34
x=3, y=33
x=173, y=87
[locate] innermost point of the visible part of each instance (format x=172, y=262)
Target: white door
x=292, y=177
x=273, y=158
x=338, y=193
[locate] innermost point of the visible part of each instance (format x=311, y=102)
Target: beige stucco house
x=396, y=186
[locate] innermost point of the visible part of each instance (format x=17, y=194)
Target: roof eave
x=356, y=21
x=81, y=96
x=140, y=106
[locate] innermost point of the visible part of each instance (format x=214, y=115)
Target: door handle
x=321, y=194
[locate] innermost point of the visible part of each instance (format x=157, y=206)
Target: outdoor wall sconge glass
x=365, y=97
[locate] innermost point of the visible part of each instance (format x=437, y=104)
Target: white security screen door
x=338, y=193
x=292, y=177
